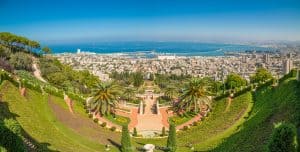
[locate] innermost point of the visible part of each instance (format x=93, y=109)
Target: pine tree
x=171, y=143
x=125, y=140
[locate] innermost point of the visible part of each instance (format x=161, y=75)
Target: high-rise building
x=289, y=55
x=287, y=66
x=244, y=59
x=266, y=58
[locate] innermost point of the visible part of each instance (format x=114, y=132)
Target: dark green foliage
x=96, y=120
x=171, y=143
x=283, y=139
x=10, y=137
x=103, y=124
x=164, y=80
x=21, y=61
x=46, y=50
x=125, y=140
x=64, y=77
x=272, y=105
x=14, y=126
x=163, y=131
x=17, y=43
x=185, y=128
x=234, y=81
x=261, y=75
x=27, y=84
x=138, y=79
x=135, y=132
x=113, y=128
x=126, y=78
x=4, y=64
x=293, y=73
x=195, y=123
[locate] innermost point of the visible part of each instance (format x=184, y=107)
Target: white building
x=287, y=66
x=166, y=57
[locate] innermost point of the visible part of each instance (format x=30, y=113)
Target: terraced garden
x=272, y=105
x=218, y=125
x=48, y=123
x=39, y=122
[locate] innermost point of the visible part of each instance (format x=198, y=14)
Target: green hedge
x=293, y=73
x=10, y=136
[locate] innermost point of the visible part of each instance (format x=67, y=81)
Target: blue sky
x=151, y=20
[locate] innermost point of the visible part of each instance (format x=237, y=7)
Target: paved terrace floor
x=149, y=121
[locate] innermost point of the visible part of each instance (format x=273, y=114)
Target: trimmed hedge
x=283, y=138
x=10, y=136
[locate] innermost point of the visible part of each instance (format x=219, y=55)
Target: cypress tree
x=163, y=132
x=135, y=132
x=171, y=143
x=125, y=140
x=283, y=139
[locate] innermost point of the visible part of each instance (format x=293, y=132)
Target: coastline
x=157, y=48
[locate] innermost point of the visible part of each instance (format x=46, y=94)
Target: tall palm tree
x=171, y=92
x=128, y=93
x=194, y=95
x=105, y=97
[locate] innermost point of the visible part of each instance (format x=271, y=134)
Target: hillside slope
x=37, y=119
x=271, y=106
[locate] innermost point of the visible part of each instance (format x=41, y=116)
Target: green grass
x=38, y=121
x=77, y=106
x=271, y=106
x=217, y=126
x=177, y=120
x=119, y=120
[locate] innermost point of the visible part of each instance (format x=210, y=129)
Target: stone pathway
x=190, y=122
x=36, y=70
x=149, y=121
x=69, y=103
x=229, y=104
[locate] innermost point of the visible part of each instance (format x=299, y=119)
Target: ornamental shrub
x=9, y=140
x=163, y=131
x=96, y=120
x=171, y=143
x=113, y=128
x=103, y=124
x=283, y=138
x=125, y=140
x=134, y=132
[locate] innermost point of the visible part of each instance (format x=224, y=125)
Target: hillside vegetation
x=38, y=121
x=272, y=105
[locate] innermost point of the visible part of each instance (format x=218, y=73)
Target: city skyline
x=60, y=22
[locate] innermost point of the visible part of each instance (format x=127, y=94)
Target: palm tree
x=128, y=93
x=171, y=92
x=194, y=95
x=105, y=96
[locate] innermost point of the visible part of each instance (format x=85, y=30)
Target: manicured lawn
x=38, y=121
x=217, y=126
x=119, y=120
x=271, y=106
x=177, y=120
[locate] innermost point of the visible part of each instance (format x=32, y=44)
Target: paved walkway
x=190, y=122
x=36, y=70
x=149, y=121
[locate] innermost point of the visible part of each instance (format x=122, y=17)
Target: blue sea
x=149, y=48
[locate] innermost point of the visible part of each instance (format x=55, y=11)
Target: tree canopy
x=46, y=50
x=15, y=42
x=234, y=81
x=261, y=75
